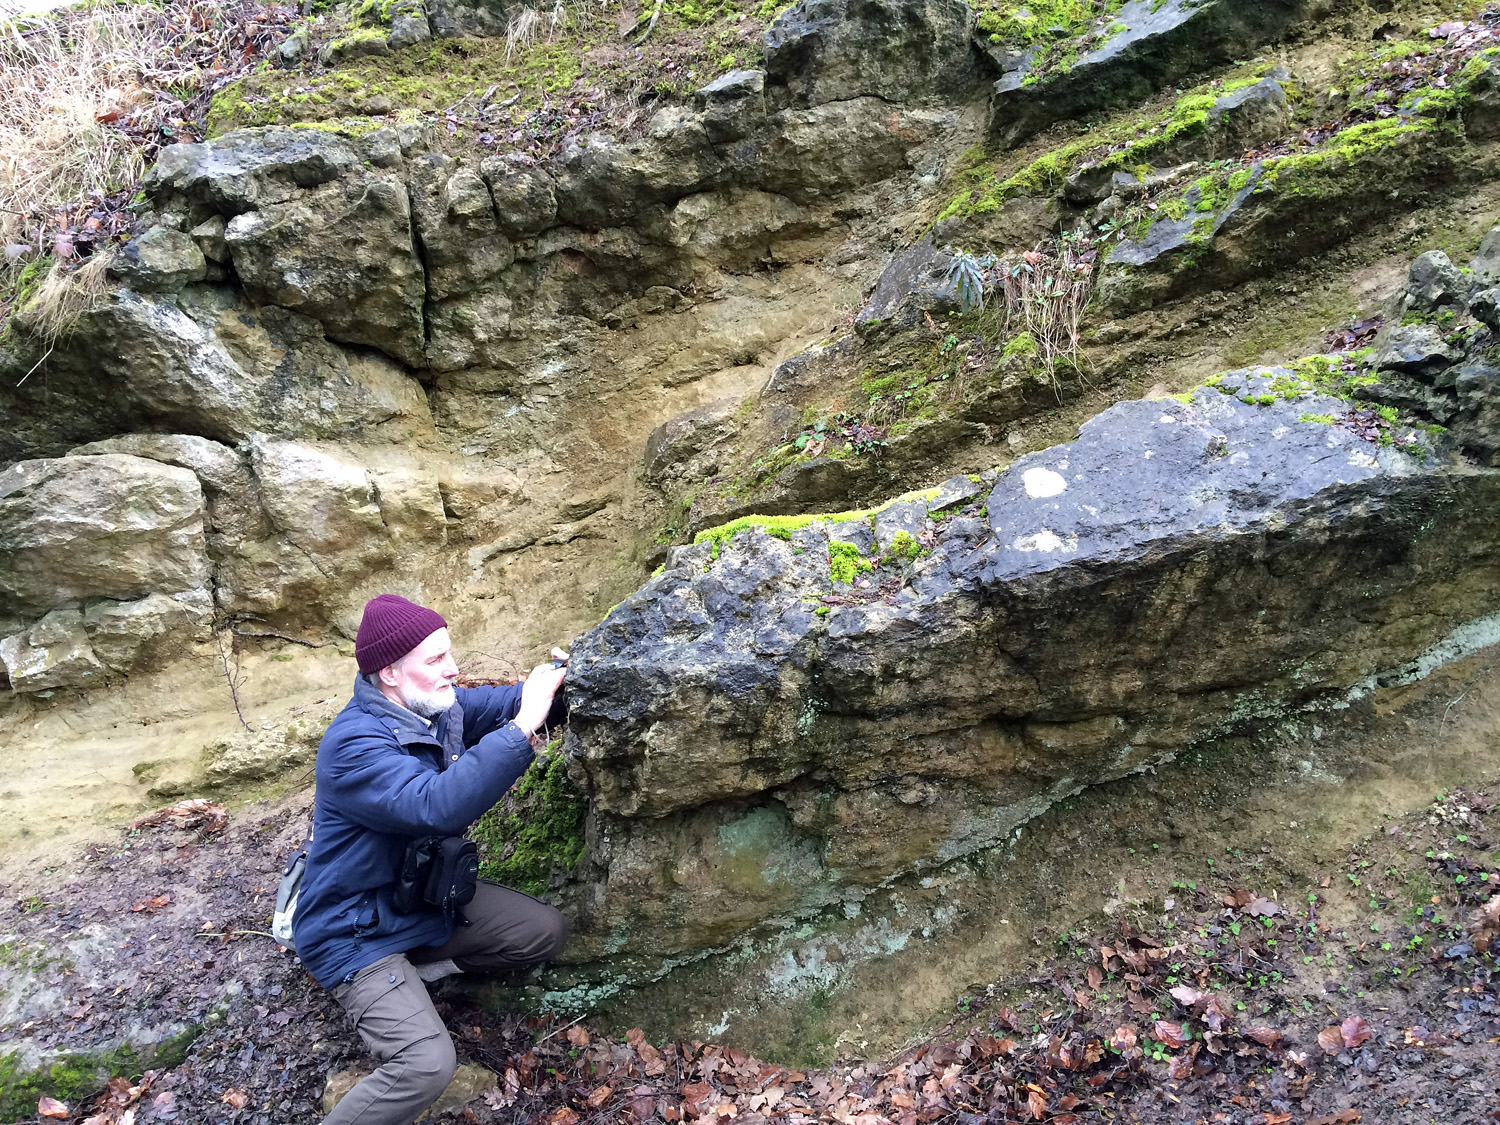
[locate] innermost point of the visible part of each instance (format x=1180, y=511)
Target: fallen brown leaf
x=599, y=1097
x=151, y=905
x=1331, y=1040
x=1215, y=1014
x=51, y=1107
x=1036, y=1101
x=1123, y=1039
x=1265, y=1036
x=1169, y=1033
x=1096, y=978
x=1484, y=925
x=562, y=1115
x=694, y=1094
x=234, y=1097
x=577, y=1036
x=1186, y=996
x=1354, y=1031
x=193, y=813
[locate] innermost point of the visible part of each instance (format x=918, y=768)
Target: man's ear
x=388, y=676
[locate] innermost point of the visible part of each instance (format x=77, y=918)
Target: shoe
x=437, y=970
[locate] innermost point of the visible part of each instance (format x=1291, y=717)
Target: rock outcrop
x=797, y=711
x=1126, y=55
x=108, y=547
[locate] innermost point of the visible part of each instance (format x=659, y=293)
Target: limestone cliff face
x=347, y=359
x=388, y=367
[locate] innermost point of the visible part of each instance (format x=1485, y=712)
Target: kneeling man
x=413, y=756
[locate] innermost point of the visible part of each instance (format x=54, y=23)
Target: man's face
x=424, y=676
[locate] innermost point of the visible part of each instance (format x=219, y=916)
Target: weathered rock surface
x=342, y=255
x=53, y=653
x=162, y=259
x=676, y=448
x=1433, y=367
x=121, y=633
x=1147, y=44
x=898, y=50
x=1178, y=568
x=204, y=363
x=916, y=282
x=251, y=168
x=111, y=526
x=1273, y=212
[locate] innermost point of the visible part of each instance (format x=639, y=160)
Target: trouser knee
x=552, y=937
x=430, y=1064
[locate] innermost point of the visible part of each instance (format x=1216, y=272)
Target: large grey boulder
x=250, y=168
x=462, y=244
x=916, y=282
x=122, y=633
x=904, y=51
x=789, y=717
x=1239, y=121
x=233, y=508
x=451, y=19
x=1482, y=109
x=678, y=448
x=319, y=503
x=112, y=526
x=523, y=195
x=203, y=362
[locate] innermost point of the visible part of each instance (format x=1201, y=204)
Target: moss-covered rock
x=1121, y=56
x=535, y=836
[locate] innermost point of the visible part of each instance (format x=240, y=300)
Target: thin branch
x=230, y=677
x=650, y=26
x=271, y=635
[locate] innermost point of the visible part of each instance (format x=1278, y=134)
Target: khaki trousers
x=390, y=1008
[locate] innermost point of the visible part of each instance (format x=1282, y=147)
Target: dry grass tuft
x=65, y=294
x=65, y=81
x=87, y=97
x=523, y=30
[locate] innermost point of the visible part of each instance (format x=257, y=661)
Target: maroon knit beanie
x=390, y=628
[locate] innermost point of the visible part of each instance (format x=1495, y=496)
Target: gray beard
x=429, y=705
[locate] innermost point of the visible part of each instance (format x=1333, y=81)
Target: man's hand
x=538, y=690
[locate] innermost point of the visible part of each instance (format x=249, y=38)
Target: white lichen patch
x=1047, y=541
x=1362, y=460
x=1042, y=483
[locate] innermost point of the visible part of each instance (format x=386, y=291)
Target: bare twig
x=650, y=25
x=555, y=1030
x=230, y=678
x=271, y=635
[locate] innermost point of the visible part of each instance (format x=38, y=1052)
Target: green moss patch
x=582, y=75
x=1126, y=143
x=536, y=831
x=781, y=527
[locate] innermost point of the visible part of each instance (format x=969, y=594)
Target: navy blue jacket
x=385, y=777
